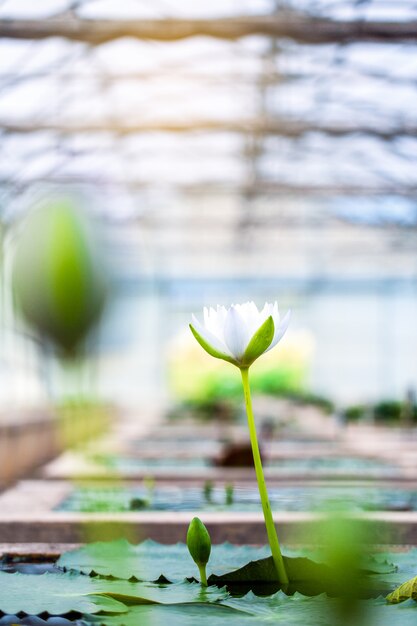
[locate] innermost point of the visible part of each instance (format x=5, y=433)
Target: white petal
x=211, y=339
x=280, y=330
x=236, y=333
x=215, y=322
x=205, y=315
x=266, y=312
x=252, y=318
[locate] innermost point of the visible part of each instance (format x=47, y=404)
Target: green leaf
x=56, y=594
x=320, y=611
x=131, y=592
x=276, y=609
x=406, y=591
x=305, y=576
x=260, y=341
x=178, y=615
x=149, y=561
x=61, y=593
x=208, y=348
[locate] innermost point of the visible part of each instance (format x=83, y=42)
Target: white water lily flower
x=241, y=333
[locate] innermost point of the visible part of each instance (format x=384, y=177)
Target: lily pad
x=178, y=615
x=321, y=611
x=55, y=594
x=406, y=591
x=241, y=568
x=306, y=576
x=58, y=594
x=252, y=610
x=151, y=561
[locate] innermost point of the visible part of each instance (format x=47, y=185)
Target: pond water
x=319, y=466
x=243, y=498
x=345, y=466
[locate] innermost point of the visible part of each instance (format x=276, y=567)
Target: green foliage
x=124, y=602
x=138, y=504
x=207, y=410
x=54, y=593
x=305, y=576
x=355, y=412
x=309, y=398
x=252, y=610
x=62, y=593
x=151, y=561
x=406, y=591
x=386, y=411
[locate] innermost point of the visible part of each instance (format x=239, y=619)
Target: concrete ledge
x=239, y=528
x=27, y=516
x=31, y=441
x=72, y=466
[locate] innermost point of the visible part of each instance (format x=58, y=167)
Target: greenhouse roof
x=229, y=125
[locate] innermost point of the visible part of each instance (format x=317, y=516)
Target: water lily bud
x=198, y=541
x=59, y=281
x=208, y=490
x=199, y=546
x=229, y=492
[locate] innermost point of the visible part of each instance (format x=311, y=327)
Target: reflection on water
x=245, y=498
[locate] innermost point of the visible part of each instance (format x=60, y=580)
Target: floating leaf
x=151, y=561
x=58, y=594
x=305, y=575
x=252, y=610
x=55, y=594
x=372, y=565
x=406, y=591
x=178, y=615
x=319, y=611
x=150, y=593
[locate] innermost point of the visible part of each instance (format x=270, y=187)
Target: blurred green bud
x=229, y=492
x=208, y=490
x=199, y=546
x=59, y=283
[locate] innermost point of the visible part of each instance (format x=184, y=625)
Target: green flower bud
x=199, y=546
x=59, y=283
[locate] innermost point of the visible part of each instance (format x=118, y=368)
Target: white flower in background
x=241, y=333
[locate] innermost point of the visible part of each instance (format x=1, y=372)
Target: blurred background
x=224, y=151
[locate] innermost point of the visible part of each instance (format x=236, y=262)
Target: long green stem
x=263, y=492
x=203, y=575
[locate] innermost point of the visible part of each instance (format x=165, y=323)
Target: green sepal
x=208, y=348
x=261, y=340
